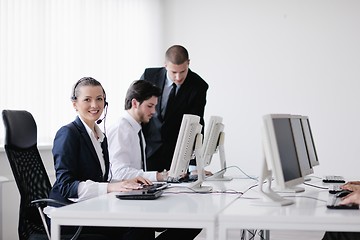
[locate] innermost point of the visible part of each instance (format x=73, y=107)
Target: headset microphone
x=100, y=120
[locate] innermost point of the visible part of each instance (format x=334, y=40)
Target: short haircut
x=85, y=81
x=141, y=90
x=177, y=54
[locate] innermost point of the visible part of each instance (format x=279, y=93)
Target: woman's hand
x=352, y=186
x=353, y=197
x=128, y=185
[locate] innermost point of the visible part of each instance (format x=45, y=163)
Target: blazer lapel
x=161, y=85
x=86, y=138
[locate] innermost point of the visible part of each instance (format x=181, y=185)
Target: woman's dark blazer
x=75, y=160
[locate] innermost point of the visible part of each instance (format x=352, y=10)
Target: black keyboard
x=140, y=195
x=334, y=203
x=333, y=179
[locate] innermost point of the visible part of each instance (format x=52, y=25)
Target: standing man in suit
x=190, y=98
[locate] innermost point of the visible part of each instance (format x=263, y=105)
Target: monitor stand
x=269, y=196
x=219, y=176
x=197, y=185
x=290, y=190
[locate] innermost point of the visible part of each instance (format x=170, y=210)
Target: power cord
x=248, y=176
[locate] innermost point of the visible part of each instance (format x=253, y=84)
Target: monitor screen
x=285, y=147
x=301, y=148
x=185, y=146
x=188, y=146
x=211, y=139
x=214, y=142
x=309, y=141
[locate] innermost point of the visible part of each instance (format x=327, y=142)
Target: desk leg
x=267, y=234
x=210, y=233
x=55, y=230
x=1, y=213
x=222, y=232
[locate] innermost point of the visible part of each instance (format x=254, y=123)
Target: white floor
x=274, y=235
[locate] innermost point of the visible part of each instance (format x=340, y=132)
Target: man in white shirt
x=127, y=156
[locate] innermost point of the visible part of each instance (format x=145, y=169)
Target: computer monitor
x=301, y=146
x=309, y=141
x=214, y=142
x=280, y=158
x=188, y=146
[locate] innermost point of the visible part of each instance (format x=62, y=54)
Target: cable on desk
x=251, y=187
x=228, y=191
x=248, y=176
x=315, y=186
x=314, y=198
x=312, y=176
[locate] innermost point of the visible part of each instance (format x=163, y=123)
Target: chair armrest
x=39, y=202
x=48, y=200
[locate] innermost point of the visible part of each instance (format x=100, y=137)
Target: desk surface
x=3, y=179
x=309, y=212
x=180, y=210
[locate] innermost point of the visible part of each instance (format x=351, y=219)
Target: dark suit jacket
x=162, y=135
x=75, y=160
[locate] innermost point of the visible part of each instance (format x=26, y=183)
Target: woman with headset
x=81, y=159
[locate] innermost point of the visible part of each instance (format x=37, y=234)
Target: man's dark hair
x=177, y=54
x=141, y=90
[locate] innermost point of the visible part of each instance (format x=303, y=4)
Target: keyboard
x=334, y=203
x=155, y=186
x=333, y=179
x=140, y=195
x=333, y=189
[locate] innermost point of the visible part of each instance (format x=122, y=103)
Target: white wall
x=261, y=57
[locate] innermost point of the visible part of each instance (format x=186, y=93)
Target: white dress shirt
x=125, y=151
x=89, y=189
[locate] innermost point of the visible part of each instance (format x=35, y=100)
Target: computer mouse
x=342, y=193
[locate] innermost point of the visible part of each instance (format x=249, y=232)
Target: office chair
x=29, y=173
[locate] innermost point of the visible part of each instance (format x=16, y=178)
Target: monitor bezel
x=308, y=169
x=185, y=146
x=211, y=139
x=305, y=121
x=272, y=155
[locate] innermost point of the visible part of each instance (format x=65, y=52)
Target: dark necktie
x=170, y=102
x=142, y=151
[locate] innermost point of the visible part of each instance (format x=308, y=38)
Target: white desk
x=170, y=210
x=304, y=214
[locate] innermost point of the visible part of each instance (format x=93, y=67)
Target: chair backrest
x=27, y=167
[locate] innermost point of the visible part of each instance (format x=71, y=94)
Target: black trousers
x=111, y=233
x=178, y=233
x=129, y=233
x=122, y=233
x=341, y=236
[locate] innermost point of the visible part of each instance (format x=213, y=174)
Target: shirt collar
x=168, y=82
x=132, y=121
x=100, y=134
